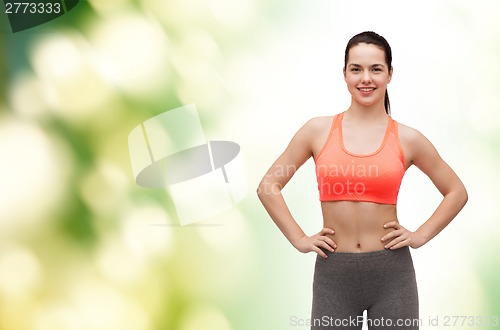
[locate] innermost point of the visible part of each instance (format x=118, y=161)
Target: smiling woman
x=364, y=75
x=363, y=252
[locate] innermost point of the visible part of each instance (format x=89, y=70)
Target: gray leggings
x=382, y=282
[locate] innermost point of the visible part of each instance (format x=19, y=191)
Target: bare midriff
x=358, y=226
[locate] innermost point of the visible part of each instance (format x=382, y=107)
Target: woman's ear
x=390, y=75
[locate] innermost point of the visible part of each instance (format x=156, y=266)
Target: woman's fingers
x=392, y=234
x=400, y=242
x=396, y=238
x=320, y=241
x=327, y=246
x=326, y=230
x=328, y=241
x=395, y=241
x=405, y=242
x=320, y=252
x=392, y=224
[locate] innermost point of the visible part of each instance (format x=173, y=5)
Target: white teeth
x=366, y=89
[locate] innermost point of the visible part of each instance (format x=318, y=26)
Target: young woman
x=363, y=257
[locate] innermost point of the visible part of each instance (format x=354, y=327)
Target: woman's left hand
x=401, y=237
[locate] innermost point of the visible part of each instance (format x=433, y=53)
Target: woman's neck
x=360, y=112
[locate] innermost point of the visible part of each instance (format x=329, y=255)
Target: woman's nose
x=366, y=77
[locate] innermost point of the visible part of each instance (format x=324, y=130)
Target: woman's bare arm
x=423, y=155
x=295, y=155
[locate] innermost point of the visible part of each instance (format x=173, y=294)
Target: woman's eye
x=355, y=70
x=377, y=69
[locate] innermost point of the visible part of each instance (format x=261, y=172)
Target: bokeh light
x=133, y=52
x=21, y=272
x=204, y=317
x=72, y=85
x=83, y=247
x=34, y=173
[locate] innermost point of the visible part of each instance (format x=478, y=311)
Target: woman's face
x=367, y=74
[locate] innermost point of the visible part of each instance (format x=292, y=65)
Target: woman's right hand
x=307, y=244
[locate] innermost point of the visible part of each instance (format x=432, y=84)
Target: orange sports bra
x=374, y=177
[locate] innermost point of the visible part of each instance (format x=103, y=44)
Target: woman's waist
x=365, y=226
x=358, y=238
x=359, y=232
x=355, y=242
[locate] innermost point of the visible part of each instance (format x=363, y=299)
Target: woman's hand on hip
x=313, y=243
x=401, y=236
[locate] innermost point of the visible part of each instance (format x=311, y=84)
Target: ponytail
x=387, y=104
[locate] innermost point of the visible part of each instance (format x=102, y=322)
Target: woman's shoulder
x=409, y=134
x=320, y=123
x=414, y=142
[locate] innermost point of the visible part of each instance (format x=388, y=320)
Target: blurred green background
x=83, y=247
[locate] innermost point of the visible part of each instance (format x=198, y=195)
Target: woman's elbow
x=461, y=194
x=267, y=188
x=262, y=189
x=465, y=196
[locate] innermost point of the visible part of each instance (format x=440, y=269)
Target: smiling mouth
x=366, y=89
